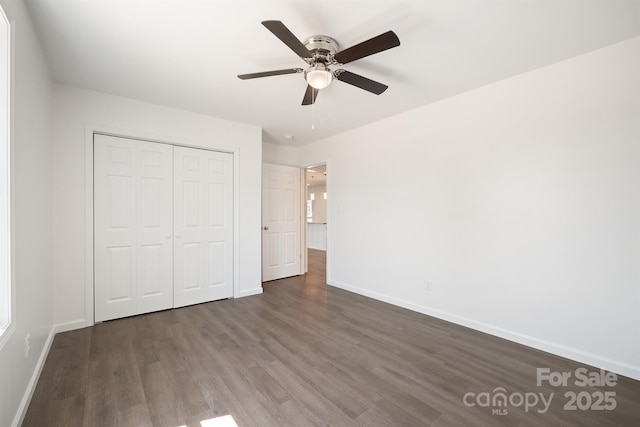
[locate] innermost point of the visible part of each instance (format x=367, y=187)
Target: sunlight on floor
x=224, y=421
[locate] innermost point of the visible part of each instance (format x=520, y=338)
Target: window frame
x=7, y=286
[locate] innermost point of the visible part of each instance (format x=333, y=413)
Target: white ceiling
x=186, y=53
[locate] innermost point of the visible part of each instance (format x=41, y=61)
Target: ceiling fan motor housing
x=322, y=47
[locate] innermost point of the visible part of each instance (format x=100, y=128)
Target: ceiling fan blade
x=361, y=82
x=368, y=47
x=269, y=73
x=310, y=95
x=282, y=32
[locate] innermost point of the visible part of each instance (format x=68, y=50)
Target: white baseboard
x=250, y=292
x=26, y=399
x=594, y=360
x=70, y=326
x=33, y=382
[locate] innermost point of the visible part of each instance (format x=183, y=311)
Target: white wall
x=31, y=157
x=74, y=109
x=518, y=201
x=279, y=154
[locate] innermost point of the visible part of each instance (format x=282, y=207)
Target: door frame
x=90, y=130
x=304, y=259
x=328, y=214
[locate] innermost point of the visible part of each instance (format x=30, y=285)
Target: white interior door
x=133, y=247
x=203, y=227
x=280, y=222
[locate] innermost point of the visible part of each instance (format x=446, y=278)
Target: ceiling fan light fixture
x=318, y=76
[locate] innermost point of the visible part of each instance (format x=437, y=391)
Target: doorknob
x=266, y=227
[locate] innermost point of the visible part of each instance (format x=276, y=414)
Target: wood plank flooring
x=306, y=354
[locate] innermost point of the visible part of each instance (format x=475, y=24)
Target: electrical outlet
x=427, y=285
x=27, y=345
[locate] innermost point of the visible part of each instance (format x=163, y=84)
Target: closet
x=163, y=226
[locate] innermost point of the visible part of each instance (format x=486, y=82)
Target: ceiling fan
x=321, y=52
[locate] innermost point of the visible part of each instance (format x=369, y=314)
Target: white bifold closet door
x=163, y=226
x=203, y=224
x=133, y=227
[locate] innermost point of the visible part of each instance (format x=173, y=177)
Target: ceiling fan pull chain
x=328, y=110
x=313, y=110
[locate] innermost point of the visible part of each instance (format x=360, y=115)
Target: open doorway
x=316, y=198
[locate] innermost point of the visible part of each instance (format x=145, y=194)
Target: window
x=5, y=185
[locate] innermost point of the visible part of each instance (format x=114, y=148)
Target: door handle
x=266, y=227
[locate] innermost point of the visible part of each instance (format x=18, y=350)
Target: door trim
x=90, y=130
x=327, y=163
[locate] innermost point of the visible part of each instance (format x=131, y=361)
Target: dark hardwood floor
x=304, y=353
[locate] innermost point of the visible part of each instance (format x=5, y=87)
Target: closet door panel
x=155, y=227
x=133, y=211
x=203, y=221
x=115, y=228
